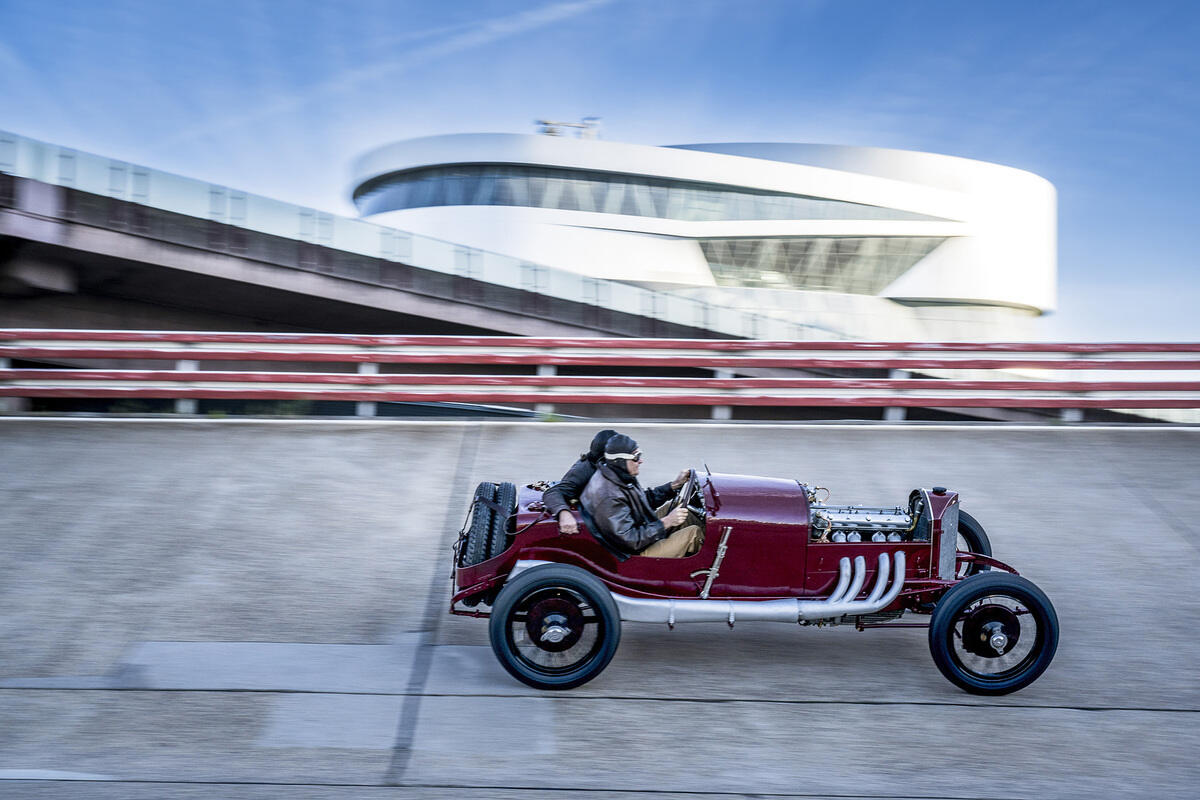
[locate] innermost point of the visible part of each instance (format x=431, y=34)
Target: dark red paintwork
x=770, y=554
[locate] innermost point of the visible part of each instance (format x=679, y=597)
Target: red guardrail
x=91, y=355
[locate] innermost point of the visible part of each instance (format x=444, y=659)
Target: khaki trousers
x=683, y=542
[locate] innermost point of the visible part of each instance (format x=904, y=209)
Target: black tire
x=979, y=607
x=506, y=502
x=481, y=525
x=974, y=539
x=544, y=598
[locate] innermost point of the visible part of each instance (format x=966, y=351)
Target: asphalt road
x=257, y=610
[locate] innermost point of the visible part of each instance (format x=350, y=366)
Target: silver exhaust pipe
x=841, y=602
x=881, y=576
x=856, y=585
x=843, y=582
x=877, y=600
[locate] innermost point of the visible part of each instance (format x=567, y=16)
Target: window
x=857, y=265
x=608, y=192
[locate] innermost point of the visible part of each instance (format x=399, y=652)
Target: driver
x=624, y=511
x=559, y=497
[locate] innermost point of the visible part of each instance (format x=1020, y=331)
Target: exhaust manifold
x=841, y=602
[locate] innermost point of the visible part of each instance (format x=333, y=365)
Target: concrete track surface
x=241, y=609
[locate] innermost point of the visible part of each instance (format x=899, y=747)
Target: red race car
x=774, y=550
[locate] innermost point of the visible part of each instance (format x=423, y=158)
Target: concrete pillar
x=1071, y=414
x=548, y=370
x=366, y=408
x=896, y=413
x=186, y=405
x=722, y=413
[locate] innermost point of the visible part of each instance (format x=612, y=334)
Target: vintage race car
x=774, y=550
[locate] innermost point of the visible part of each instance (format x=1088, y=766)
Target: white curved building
x=861, y=242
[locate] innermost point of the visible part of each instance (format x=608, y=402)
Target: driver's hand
x=567, y=523
x=681, y=479
x=675, y=518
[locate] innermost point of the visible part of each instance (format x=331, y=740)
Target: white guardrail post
x=896, y=413
x=545, y=370
x=10, y=405
x=722, y=412
x=186, y=405
x=366, y=408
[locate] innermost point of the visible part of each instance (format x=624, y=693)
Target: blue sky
x=277, y=98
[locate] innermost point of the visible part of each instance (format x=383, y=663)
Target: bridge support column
x=548, y=370
x=1071, y=414
x=366, y=408
x=896, y=413
x=186, y=405
x=722, y=413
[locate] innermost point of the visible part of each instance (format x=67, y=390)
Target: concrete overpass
x=251, y=610
x=75, y=259
x=90, y=241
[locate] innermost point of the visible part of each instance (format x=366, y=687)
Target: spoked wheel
x=994, y=633
x=555, y=627
x=972, y=539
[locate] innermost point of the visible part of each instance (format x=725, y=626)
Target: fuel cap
x=939, y=490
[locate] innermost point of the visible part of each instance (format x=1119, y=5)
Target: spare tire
x=506, y=504
x=481, y=525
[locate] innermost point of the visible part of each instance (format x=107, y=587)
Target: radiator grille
x=947, y=557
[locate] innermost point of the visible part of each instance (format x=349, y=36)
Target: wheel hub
x=555, y=633
x=554, y=624
x=991, y=631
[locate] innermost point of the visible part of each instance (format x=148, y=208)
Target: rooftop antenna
x=588, y=127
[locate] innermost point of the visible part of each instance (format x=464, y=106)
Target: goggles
x=626, y=456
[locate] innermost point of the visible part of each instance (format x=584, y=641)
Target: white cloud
x=474, y=36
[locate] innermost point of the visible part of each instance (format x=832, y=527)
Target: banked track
x=255, y=609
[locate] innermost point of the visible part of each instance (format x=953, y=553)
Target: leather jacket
x=623, y=511
x=559, y=496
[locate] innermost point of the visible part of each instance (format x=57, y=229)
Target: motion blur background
x=278, y=99
x=245, y=608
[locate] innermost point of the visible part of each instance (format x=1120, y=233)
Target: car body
x=773, y=550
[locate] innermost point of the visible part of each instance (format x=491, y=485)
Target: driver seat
x=590, y=523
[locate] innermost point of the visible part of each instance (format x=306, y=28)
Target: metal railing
x=96, y=364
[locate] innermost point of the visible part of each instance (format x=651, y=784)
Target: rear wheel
x=993, y=633
x=554, y=627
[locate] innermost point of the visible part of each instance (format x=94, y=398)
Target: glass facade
x=855, y=265
x=606, y=192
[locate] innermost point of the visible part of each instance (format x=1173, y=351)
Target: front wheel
x=554, y=627
x=994, y=633
x=973, y=539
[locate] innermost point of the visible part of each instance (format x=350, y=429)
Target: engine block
x=859, y=523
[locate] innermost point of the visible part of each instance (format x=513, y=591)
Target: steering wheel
x=684, y=498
